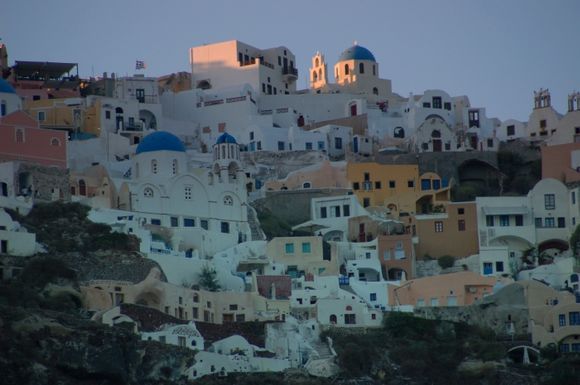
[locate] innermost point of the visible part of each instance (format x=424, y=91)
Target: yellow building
x=302, y=256
x=71, y=114
x=397, y=187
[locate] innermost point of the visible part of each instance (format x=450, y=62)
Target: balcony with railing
x=289, y=73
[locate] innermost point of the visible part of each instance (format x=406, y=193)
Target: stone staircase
x=256, y=231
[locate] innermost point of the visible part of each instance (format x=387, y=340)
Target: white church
x=191, y=209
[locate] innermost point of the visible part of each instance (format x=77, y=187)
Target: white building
x=9, y=100
x=186, y=336
x=204, y=209
x=269, y=71
x=14, y=239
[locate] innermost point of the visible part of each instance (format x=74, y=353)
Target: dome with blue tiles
x=6, y=87
x=356, y=52
x=226, y=138
x=160, y=141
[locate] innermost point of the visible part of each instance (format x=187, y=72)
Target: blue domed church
x=202, y=209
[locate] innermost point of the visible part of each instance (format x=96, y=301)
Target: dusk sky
x=495, y=51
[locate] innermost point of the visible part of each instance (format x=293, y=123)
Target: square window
x=204, y=224
x=308, y=145
x=438, y=226
x=174, y=222
x=373, y=296
x=188, y=222
x=289, y=248
x=425, y=184
x=434, y=301
x=392, y=184
x=487, y=268
x=410, y=183
x=378, y=185
x=225, y=226
x=549, y=222
x=447, y=106
x=460, y=211
x=504, y=220
x=233, y=307
x=426, y=105
x=356, y=186
x=306, y=247
x=321, y=145
x=156, y=222
x=437, y=102
x=499, y=266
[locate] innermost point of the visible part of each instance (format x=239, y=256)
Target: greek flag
x=140, y=65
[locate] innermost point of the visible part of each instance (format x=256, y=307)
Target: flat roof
x=48, y=69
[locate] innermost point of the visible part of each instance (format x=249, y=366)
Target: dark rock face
x=45, y=347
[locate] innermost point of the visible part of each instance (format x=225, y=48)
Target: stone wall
x=48, y=183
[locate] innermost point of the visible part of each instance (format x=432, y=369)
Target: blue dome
x=226, y=138
x=356, y=52
x=6, y=87
x=160, y=141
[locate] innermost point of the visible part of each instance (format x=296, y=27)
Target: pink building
x=22, y=139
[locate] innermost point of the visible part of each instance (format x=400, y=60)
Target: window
x=346, y=210
x=154, y=166
x=373, y=296
x=420, y=302
x=148, y=192
x=538, y=222
x=41, y=116
x=280, y=146
x=561, y=222
x=156, y=222
x=195, y=312
x=438, y=226
x=392, y=184
x=107, y=114
x=489, y=221
x=289, y=248
x=460, y=211
x=562, y=320
x=19, y=135
x=573, y=197
x=564, y=348
x=346, y=69
x=378, y=185
x=225, y=227
x=228, y=200
x=490, y=143
x=361, y=68
x=336, y=211
x=451, y=300
x=543, y=123
x=447, y=106
x=511, y=130
x=233, y=307
x=425, y=184
x=308, y=145
x=55, y=142
x=366, y=202
x=320, y=145
x=574, y=318
x=437, y=102
x=240, y=318
x=434, y=301
x=410, y=183
x=306, y=247
x=487, y=268
x=188, y=222
x=356, y=186
x=436, y=184
x=461, y=225
x=350, y=319
x=519, y=220
x=549, y=222
x=323, y=212
x=426, y=105
x=499, y=266
x=504, y=220
x=187, y=193
x=174, y=221
x=204, y=224
x=174, y=168
x=338, y=143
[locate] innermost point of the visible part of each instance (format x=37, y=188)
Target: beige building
x=544, y=119
x=325, y=174
x=182, y=302
x=455, y=289
x=302, y=256
x=451, y=232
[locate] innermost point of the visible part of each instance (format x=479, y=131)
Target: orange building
x=397, y=256
x=456, y=289
x=561, y=162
